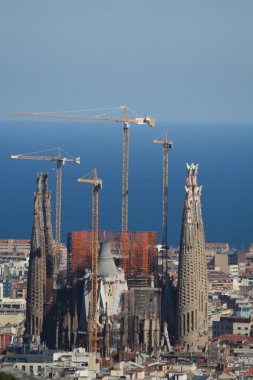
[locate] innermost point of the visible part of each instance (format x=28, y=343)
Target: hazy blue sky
x=183, y=61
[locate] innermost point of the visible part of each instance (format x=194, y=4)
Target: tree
x=7, y=376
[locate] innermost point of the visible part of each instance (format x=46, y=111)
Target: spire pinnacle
x=39, y=183
x=189, y=177
x=45, y=182
x=195, y=173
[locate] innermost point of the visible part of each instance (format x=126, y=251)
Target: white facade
x=234, y=270
x=111, y=284
x=111, y=289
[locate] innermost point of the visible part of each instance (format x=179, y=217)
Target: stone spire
x=40, y=288
x=49, y=312
x=192, y=327
x=37, y=271
x=47, y=212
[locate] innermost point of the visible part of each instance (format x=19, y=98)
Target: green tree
x=7, y=376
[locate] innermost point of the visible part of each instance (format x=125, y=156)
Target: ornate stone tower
x=40, y=318
x=47, y=213
x=192, y=329
x=36, y=285
x=49, y=328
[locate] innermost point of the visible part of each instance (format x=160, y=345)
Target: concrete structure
x=226, y=263
x=192, y=271
x=63, y=364
x=217, y=247
x=17, y=246
x=220, y=262
x=234, y=270
x=12, y=306
x=219, y=281
x=232, y=325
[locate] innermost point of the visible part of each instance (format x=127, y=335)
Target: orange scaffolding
x=135, y=251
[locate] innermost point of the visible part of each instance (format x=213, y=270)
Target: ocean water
x=224, y=153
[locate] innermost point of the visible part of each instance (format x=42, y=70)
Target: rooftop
x=234, y=338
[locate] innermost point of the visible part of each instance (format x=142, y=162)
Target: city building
x=20, y=247
x=12, y=306
x=232, y=325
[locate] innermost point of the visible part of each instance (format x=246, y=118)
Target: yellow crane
x=148, y=120
x=93, y=308
x=60, y=161
x=167, y=144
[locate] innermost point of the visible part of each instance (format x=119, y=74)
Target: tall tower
x=37, y=271
x=47, y=214
x=40, y=313
x=49, y=300
x=192, y=327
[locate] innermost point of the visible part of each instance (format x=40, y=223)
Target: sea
x=223, y=151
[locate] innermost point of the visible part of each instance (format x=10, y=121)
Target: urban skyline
x=136, y=273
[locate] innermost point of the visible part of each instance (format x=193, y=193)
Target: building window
x=188, y=322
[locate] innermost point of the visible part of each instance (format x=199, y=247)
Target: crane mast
x=58, y=198
x=93, y=309
x=60, y=160
x=149, y=120
x=125, y=165
x=167, y=144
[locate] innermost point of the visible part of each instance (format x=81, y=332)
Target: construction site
x=108, y=298
x=126, y=244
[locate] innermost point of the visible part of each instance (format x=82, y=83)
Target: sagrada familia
x=146, y=317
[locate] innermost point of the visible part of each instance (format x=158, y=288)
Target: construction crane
x=93, y=308
x=167, y=144
x=150, y=120
x=60, y=161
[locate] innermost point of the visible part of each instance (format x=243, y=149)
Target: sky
x=180, y=60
